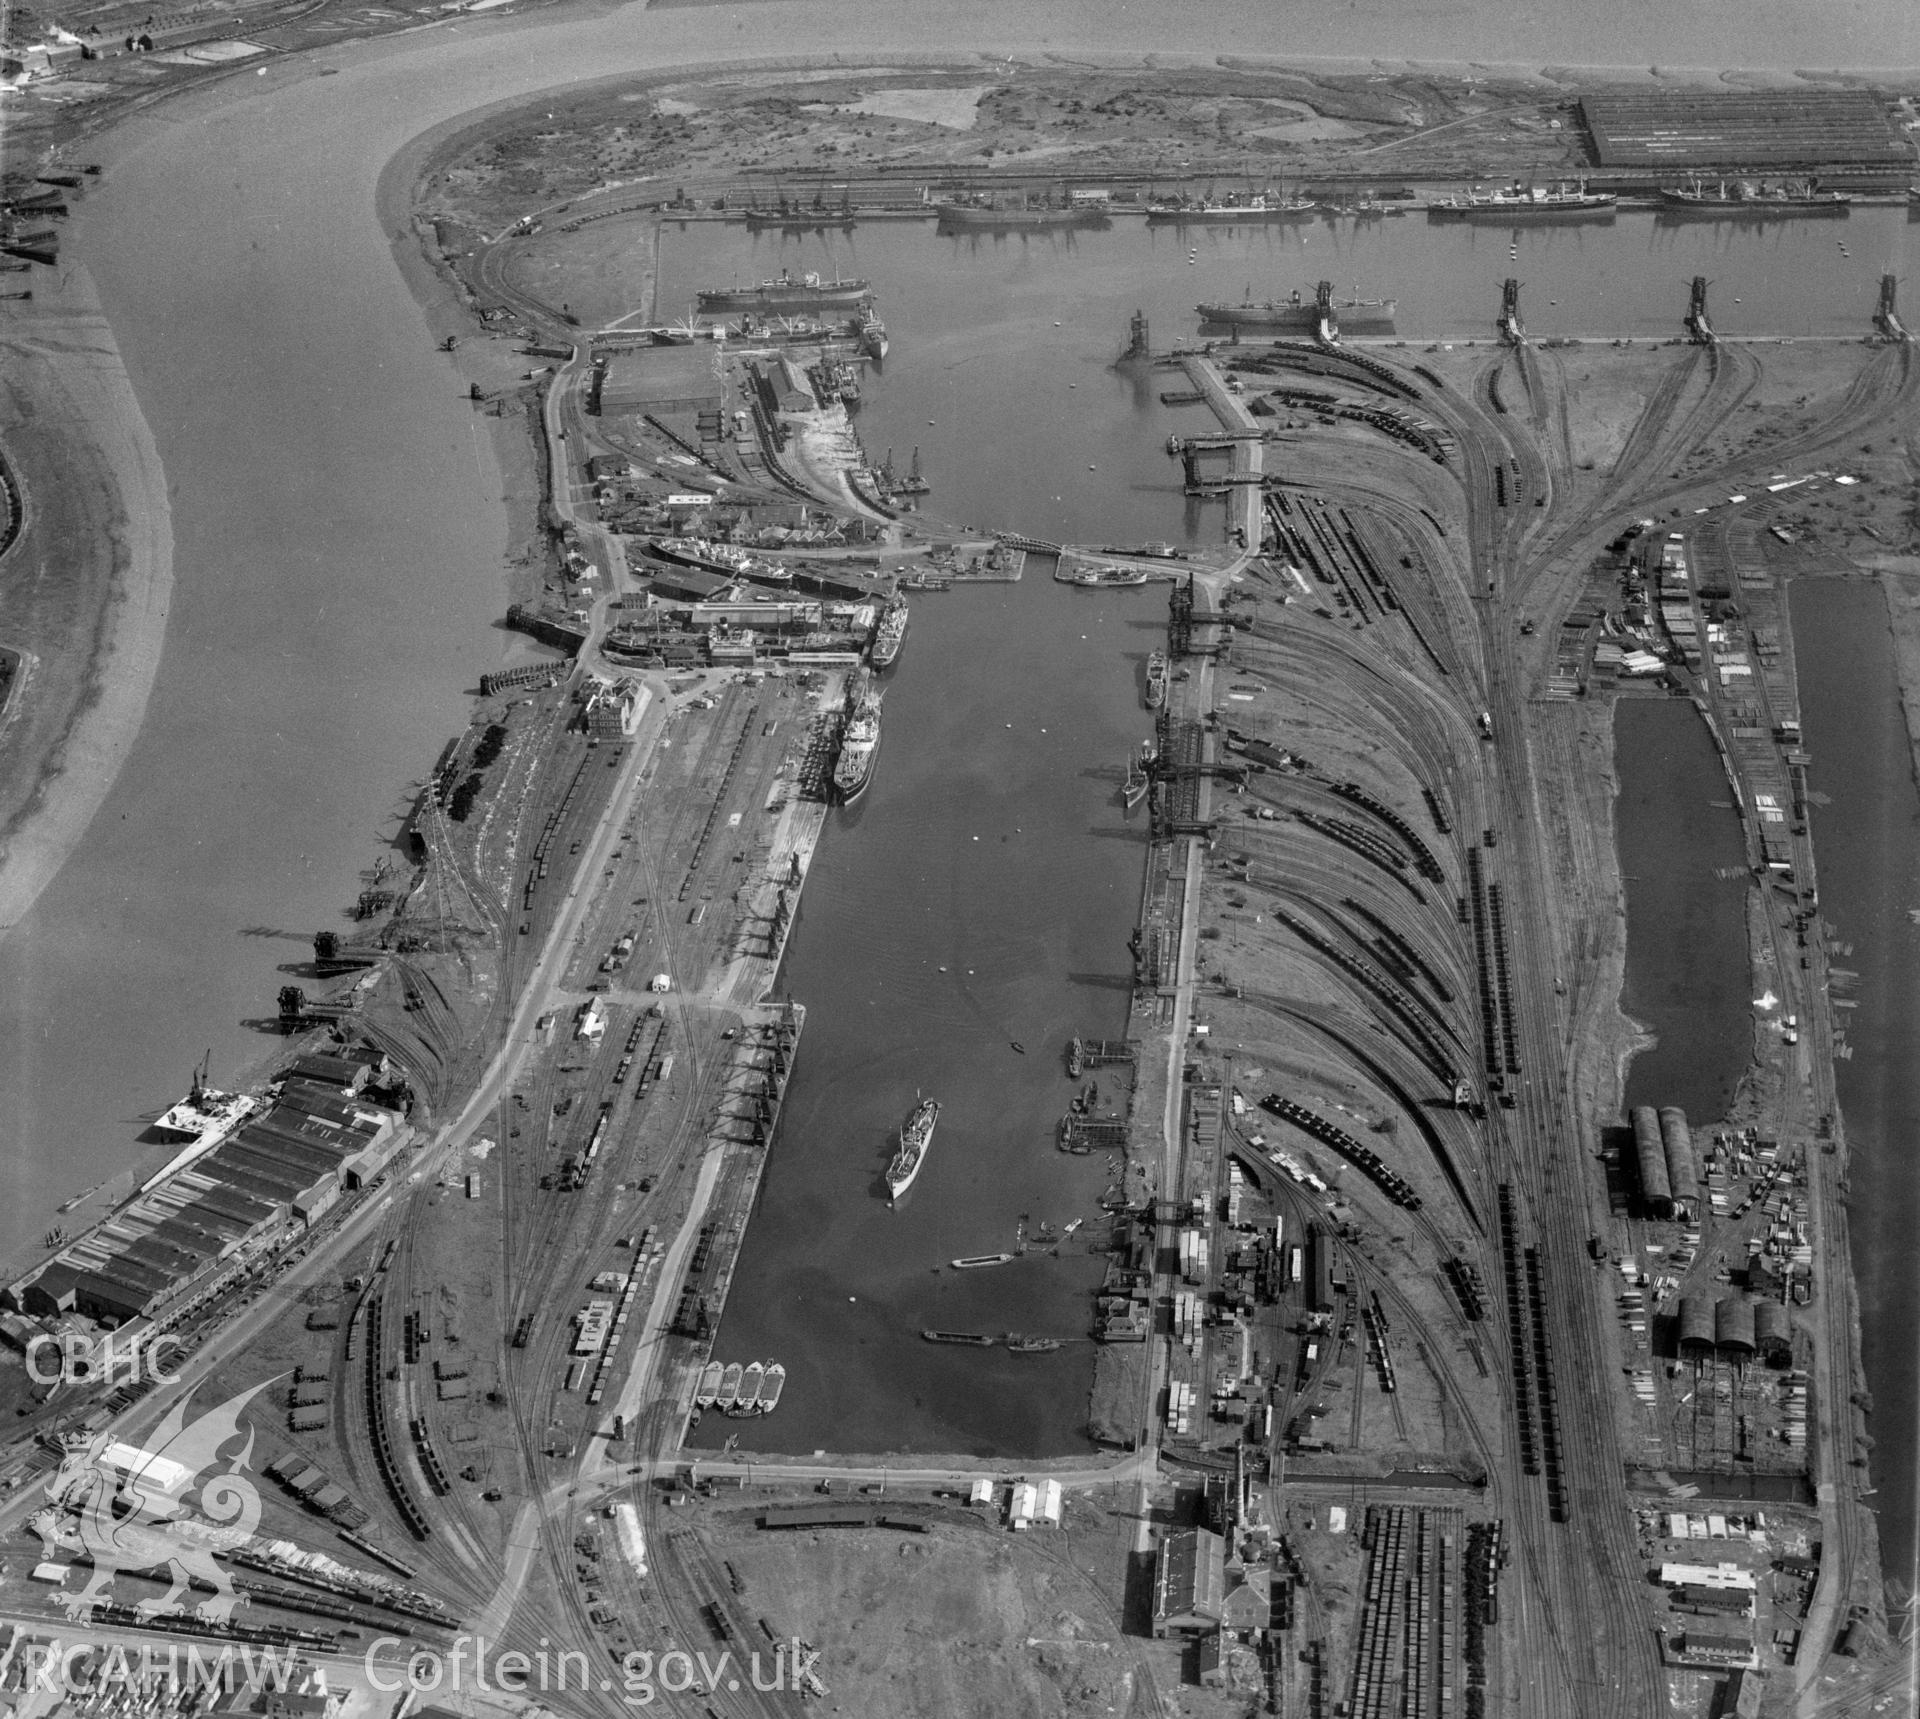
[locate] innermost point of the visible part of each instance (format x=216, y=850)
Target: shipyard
x=1195, y=1020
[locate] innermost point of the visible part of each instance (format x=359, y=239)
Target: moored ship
x=1016, y=218
x=853, y=770
x=1156, y=680
x=1224, y=210
x=1517, y=202
x=709, y=1386
x=772, y=1383
x=975, y=1339
x=916, y=1136
x=729, y=1391
x=1750, y=199
x=970, y=1262
x=748, y=1401
x=1297, y=314
x=1019, y=1344
x=788, y=292
x=727, y=558
x=1134, y=789
x=871, y=332
x=890, y=635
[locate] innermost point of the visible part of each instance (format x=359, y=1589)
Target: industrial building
x=1189, y=1583
x=1778, y=130
x=660, y=379
x=1683, y=1171
x=277, y=1173
x=1656, y=1190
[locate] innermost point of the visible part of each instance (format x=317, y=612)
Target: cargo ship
x=726, y=558
x=788, y=292
x=709, y=1386
x=1750, y=199
x=916, y=1135
x=1134, y=789
x=1297, y=314
x=853, y=770
x=723, y=1399
x=1156, y=680
x=977, y=1339
x=772, y=1383
x=1092, y=576
x=890, y=635
x=973, y=1260
x=871, y=332
x=1224, y=210
x=1518, y=202
x=1015, y=218
x=1018, y=1344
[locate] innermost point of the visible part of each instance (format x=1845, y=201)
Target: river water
x=1866, y=832
x=338, y=574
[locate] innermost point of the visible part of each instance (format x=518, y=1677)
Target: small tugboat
x=1156, y=680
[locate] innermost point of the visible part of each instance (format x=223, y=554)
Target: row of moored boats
x=733, y=1389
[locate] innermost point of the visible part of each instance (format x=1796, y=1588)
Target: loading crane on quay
x=1512, y=330
x=1699, y=329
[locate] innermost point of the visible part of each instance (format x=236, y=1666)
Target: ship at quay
x=1524, y=203
x=890, y=635
x=1298, y=314
x=785, y=292
x=1227, y=211
x=916, y=1136
x=1750, y=199
x=1017, y=217
x=853, y=770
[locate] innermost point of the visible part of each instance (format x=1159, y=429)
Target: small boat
x=974, y=1339
x=1070, y=1228
x=772, y=1382
x=1017, y=1045
x=973, y=1260
x=723, y=1399
x=1156, y=679
x=747, y=1402
x=709, y=1387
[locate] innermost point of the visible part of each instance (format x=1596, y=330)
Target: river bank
x=88, y=587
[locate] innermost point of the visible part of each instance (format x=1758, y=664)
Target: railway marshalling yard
x=1422, y=1427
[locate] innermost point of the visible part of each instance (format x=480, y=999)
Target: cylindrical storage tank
x=1773, y=1332
x=1652, y=1152
x=1696, y=1324
x=1683, y=1175
x=1733, y=1326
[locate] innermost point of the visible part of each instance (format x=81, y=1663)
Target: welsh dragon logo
x=132, y=1512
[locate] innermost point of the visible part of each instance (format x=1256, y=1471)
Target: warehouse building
x=278, y=1173
x=1777, y=130
x=1189, y=1583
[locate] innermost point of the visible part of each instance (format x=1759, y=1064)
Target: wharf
x=738, y=1141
